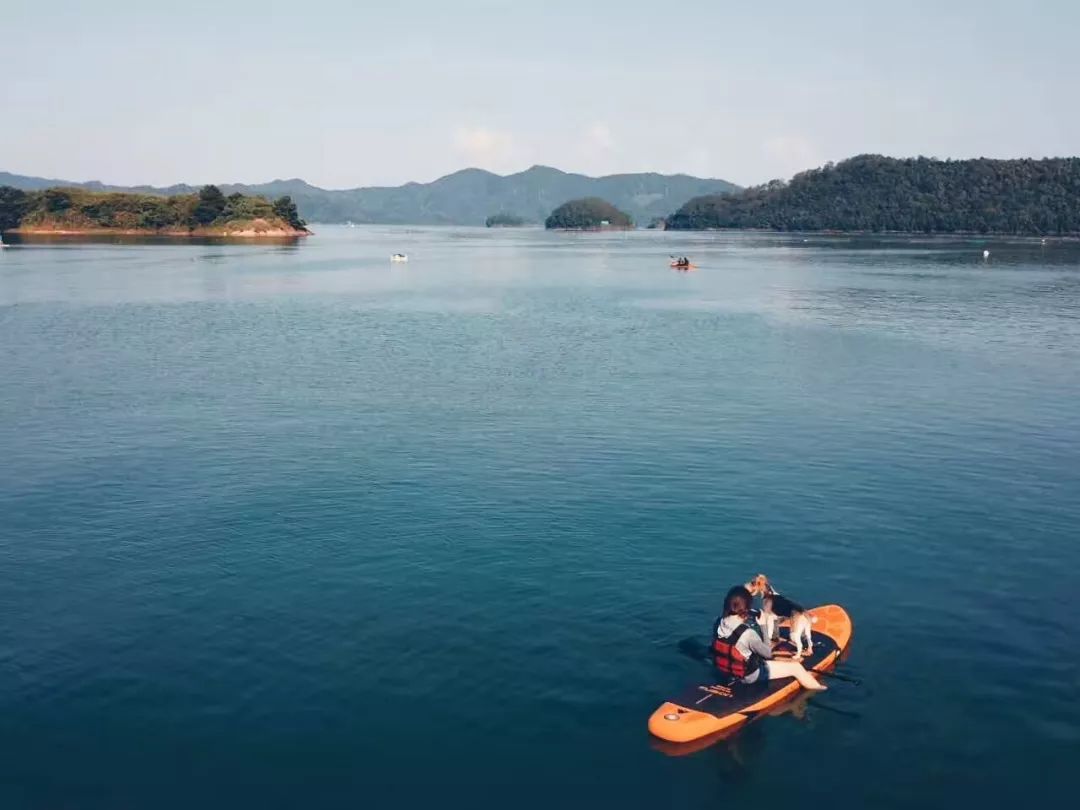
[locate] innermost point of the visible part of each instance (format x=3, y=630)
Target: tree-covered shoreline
x=588, y=214
x=209, y=212
x=876, y=194
x=505, y=220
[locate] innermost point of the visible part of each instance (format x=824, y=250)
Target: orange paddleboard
x=715, y=708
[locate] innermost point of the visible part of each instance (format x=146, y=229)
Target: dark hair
x=737, y=594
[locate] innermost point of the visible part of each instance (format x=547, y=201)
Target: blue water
x=289, y=526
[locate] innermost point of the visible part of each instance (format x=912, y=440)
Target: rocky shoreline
x=257, y=229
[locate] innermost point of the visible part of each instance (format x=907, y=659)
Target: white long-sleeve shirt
x=749, y=642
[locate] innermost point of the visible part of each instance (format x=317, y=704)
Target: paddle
x=838, y=676
x=842, y=712
x=694, y=649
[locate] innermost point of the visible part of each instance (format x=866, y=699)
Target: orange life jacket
x=728, y=659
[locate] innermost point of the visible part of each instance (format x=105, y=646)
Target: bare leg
x=793, y=669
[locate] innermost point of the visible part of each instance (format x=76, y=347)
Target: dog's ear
x=754, y=586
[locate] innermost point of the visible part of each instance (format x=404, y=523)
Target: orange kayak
x=711, y=709
x=678, y=266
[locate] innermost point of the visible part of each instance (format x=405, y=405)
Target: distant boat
x=3, y=244
x=986, y=254
x=399, y=257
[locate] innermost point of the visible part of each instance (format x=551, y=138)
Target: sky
x=346, y=94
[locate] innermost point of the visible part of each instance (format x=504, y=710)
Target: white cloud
x=599, y=136
x=790, y=154
x=484, y=147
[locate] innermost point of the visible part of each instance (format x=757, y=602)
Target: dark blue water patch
x=296, y=528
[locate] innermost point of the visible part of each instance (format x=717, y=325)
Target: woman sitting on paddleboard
x=740, y=652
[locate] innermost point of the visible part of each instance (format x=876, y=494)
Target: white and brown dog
x=775, y=607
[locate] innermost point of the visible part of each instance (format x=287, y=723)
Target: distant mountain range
x=467, y=197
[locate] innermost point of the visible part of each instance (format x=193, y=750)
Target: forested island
x=588, y=214
x=914, y=195
x=74, y=211
x=503, y=220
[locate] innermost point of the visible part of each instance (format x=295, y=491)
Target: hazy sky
x=361, y=93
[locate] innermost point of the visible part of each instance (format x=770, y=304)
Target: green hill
x=920, y=195
x=206, y=213
x=466, y=197
x=590, y=213
x=504, y=220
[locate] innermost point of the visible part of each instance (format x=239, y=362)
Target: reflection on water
x=289, y=525
x=134, y=240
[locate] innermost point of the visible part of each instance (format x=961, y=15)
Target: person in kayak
x=740, y=652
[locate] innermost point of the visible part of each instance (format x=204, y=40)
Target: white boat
x=399, y=257
x=3, y=244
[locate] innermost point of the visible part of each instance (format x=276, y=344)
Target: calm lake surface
x=295, y=527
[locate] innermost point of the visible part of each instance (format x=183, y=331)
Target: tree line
x=917, y=195
x=79, y=208
x=505, y=220
x=587, y=214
